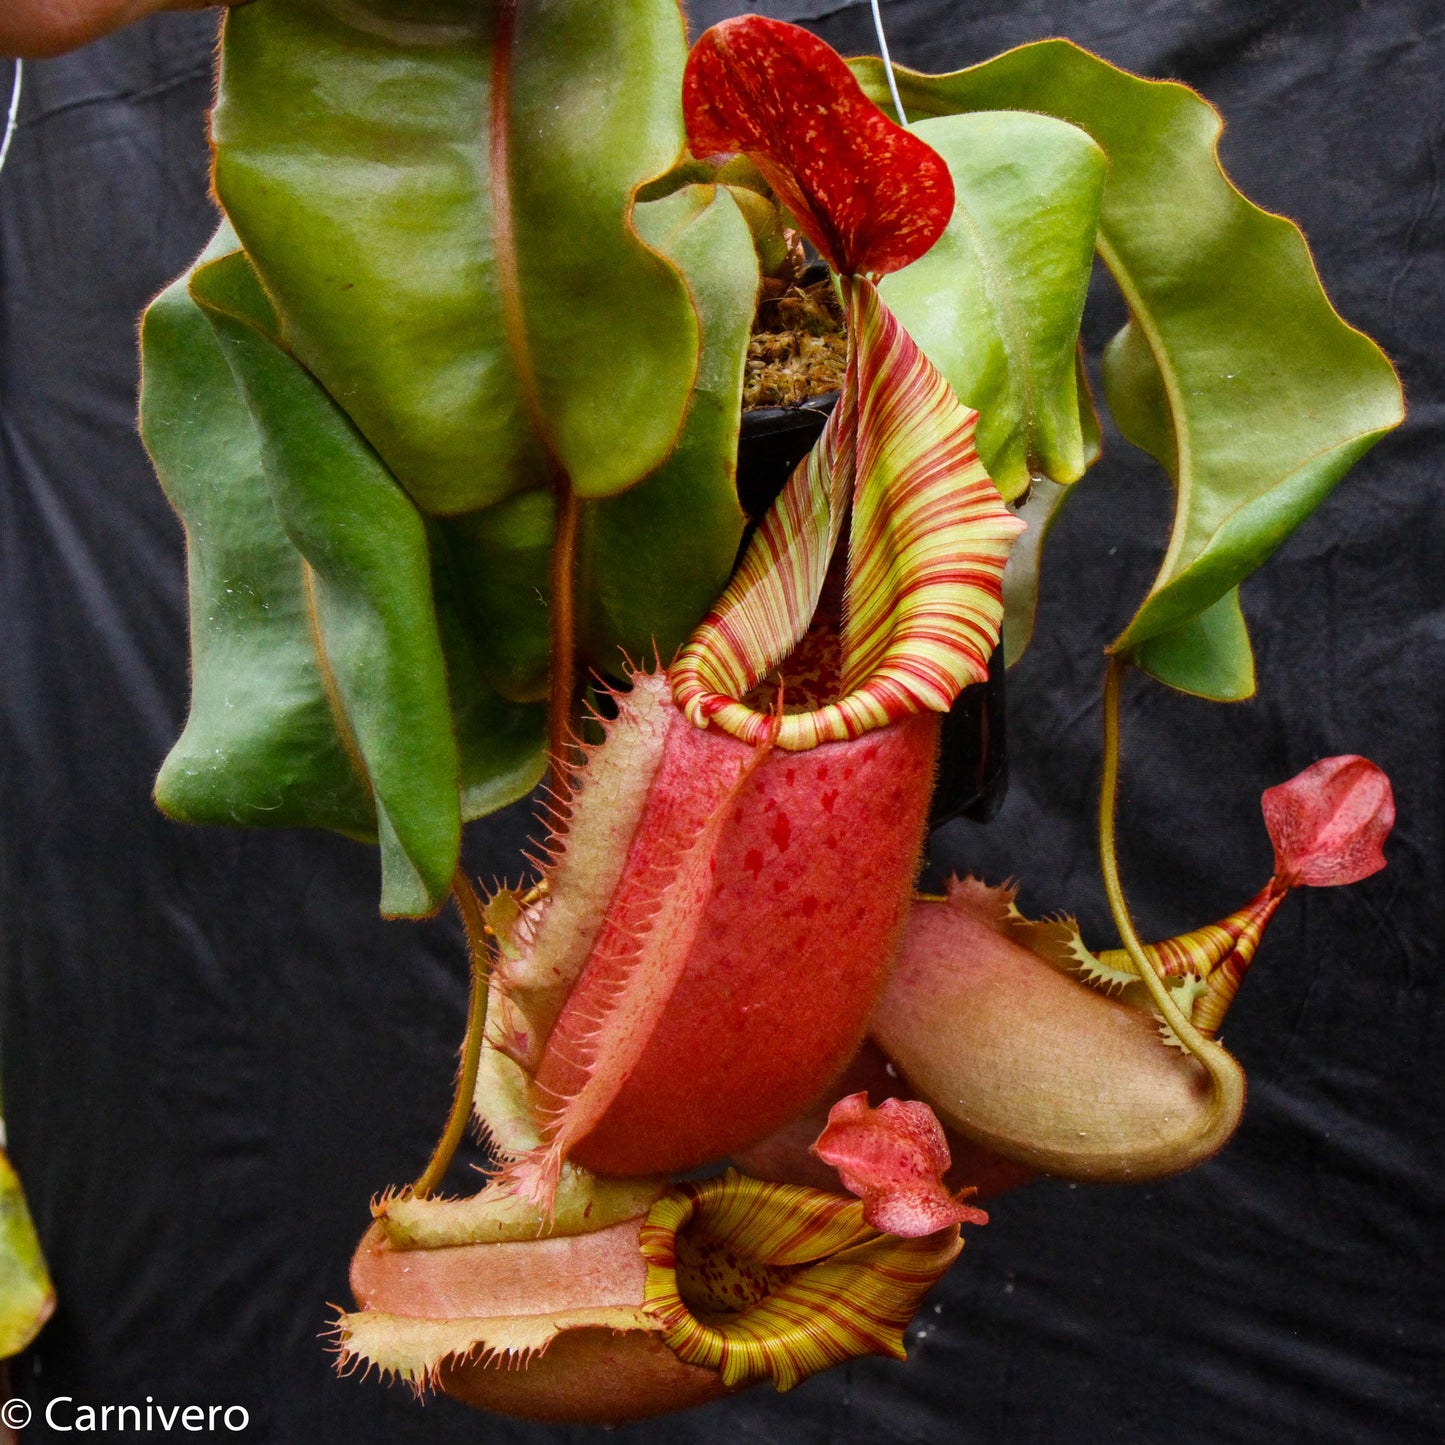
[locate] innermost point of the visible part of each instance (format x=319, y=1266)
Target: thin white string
x=14, y=111
x=888, y=64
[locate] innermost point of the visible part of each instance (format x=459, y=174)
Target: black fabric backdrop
x=215, y=1052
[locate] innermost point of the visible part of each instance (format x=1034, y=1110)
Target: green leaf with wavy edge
x=27, y=1297
x=1021, y=575
x=1270, y=395
x=438, y=198
x=499, y=559
x=260, y=745
x=369, y=583
x=501, y=744
x=1040, y=510
x=368, y=577
x=996, y=304
x=1209, y=654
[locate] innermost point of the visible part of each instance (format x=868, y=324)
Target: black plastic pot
x=973, y=757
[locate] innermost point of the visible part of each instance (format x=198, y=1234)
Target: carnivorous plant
x=450, y=411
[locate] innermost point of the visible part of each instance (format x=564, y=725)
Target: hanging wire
x=14, y=111
x=888, y=64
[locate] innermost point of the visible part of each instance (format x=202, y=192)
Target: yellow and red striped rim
x=928, y=542
x=1218, y=955
x=843, y=1288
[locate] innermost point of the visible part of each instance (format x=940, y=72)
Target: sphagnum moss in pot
x=450, y=409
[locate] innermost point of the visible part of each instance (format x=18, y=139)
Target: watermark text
x=64, y=1414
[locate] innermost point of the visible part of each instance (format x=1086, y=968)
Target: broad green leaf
x=368, y=579
x=996, y=303
x=651, y=561
x=1207, y=654
x=438, y=198
x=500, y=562
x=412, y=303
x=1269, y=396
x=260, y=745
x=684, y=519
x=1021, y=576
x=501, y=745
x=264, y=743
x=27, y=1298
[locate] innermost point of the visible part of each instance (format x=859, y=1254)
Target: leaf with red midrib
x=1328, y=824
x=870, y=195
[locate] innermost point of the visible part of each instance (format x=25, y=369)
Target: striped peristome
x=1219, y=955
x=780, y=1281
x=929, y=536
x=769, y=603
x=930, y=532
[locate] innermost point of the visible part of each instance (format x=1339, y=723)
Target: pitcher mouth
x=914, y=602
x=778, y=1281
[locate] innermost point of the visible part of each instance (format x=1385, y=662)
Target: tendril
x=1224, y=1073
x=479, y=952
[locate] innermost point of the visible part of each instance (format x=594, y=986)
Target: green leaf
x=443, y=315
x=268, y=741
x=1089, y=428
x=651, y=561
x=502, y=746
x=27, y=1298
x=499, y=560
x=1040, y=510
x=1021, y=575
x=438, y=199
x=996, y=303
x=684, y=519
x=1209, y=655
x=260, y=745
x=1257, y=395
x=368, y=579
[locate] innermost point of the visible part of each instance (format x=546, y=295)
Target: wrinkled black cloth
x=215, y=1052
